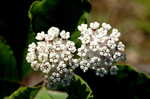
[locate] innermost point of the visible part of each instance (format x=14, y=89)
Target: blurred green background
x=132, y=18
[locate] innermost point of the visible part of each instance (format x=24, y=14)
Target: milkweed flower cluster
x=100, y=48
x=52, y=55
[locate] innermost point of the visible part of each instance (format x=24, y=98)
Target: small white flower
x=71, y=46
x=116, y=55
x=40, y=36
x=41, y=47
x=53, y=57
x=58, y=45
x=53, y=31
x=101, y=33
x=49, y=37
x=75, y=63
x=35, y=65
x=86, y=39
x=32, y=47
x=84, y=65
x=95, y=59
x=94, y=46
x=94, y=25
x=82, y=52
x=82, y=27
x=104, y=51
x=66, y=55
x=30, y=57
x=106, y=26
x=115, y=34
x=64, y=35
x=42, y=57
x=103, y=39
x=111, y=44
x=45, y=67
x=121, y=46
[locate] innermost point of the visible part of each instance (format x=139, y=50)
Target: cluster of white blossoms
x=100, y=48
x=52, y=54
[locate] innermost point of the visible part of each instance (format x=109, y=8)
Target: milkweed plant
x=57, y=57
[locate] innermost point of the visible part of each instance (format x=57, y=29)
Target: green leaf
x=45, y=94
x=74, y=38
x=24, y=93
x=58, y=95
x=64, y=14
x=8, y=69
x=36, y=93
x=79, y=89
x=127, y=84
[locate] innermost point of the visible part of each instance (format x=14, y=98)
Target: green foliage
x=24, y=93
x=127, y=84
x=79, y=89
x=36, y=93
x=45, y=94
x=8, y=67
x=64, y=14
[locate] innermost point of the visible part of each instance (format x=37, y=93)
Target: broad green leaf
x=8, y=69
x=127, y=84
x=36, y=93
x=58, y=95
x=64, y=14
x=79, y=89
x=42, y=94
x=24, y=93
x=46, y=94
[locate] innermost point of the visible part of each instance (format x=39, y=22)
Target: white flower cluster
x=52, y=55
x=100, y=48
